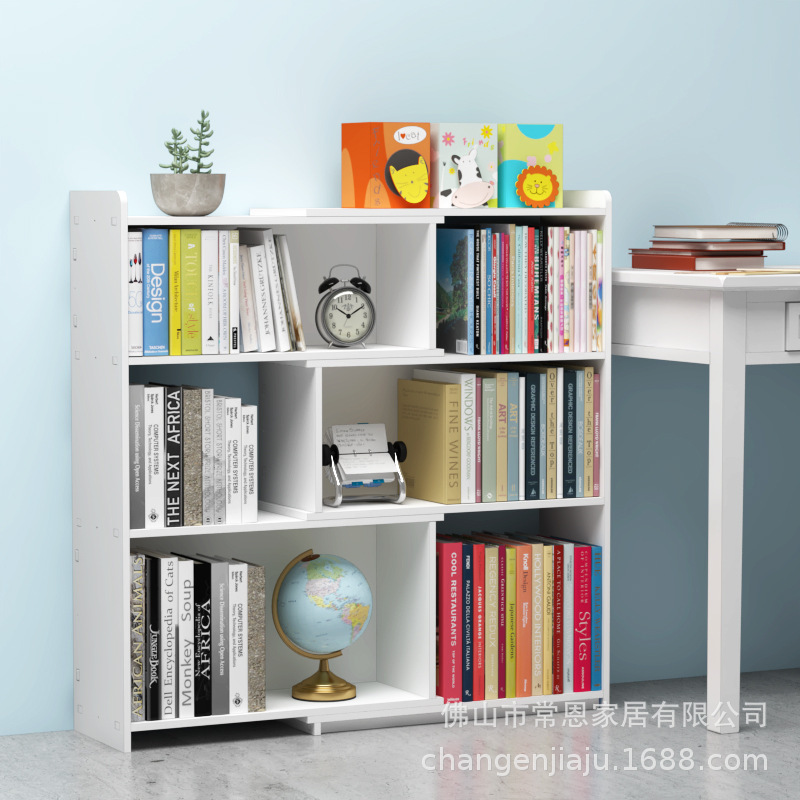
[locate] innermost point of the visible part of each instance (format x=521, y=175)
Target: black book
x=202, y=639
x=173, y=418
x=570, y=431
x=478, y=270
x=152, y=619
x=543, y=287
x=467, y=670
x=531, y=411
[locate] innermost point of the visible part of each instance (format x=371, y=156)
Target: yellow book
x=174, y=292
x=511, y=621
x=588, y=433
x=537, y=638
x=191, y=293
x=492, y=623
x=429, y=422
x=547, y=638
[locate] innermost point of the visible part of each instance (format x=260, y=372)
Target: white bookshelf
x=393, y=663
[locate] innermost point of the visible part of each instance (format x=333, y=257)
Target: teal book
x=489, y=440
x=453, y=262
x=513, y=436
x=597, y=619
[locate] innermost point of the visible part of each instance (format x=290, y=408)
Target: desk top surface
x=705, y=280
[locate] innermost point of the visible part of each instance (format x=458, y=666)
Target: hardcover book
x=210, y=264
x=225, y=292
x=237, y=604
x=464, y=164
x=582, y=625
x=186, y=639
x=219, y=459
x=492, y=626
x=249, y=463
x=154, y=472
x=173, y=417
x=137, y=638
x=256, y=640
x=247, y=311
x=155, y=322
x=175, y=292
x=448, y=621
x=168, y=666
x=452, y=266
x=234, y=289
x=135, y=308
x=291, y=292
x=152, y=622
x=202, y=637
x=137, y=455
x=261, y=298
x=192, y=456
x=597, y=619
x=233, y=465
x=191, y=282
x=207, y=453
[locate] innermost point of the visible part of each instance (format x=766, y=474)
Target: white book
x=291, y=291
x=566, y=346
x=155, y=457
x=224, y=293
x=592, y=291
x=237, y=629
x=219, y=460
x=525, y=278
x=185, y=638
x=283, y=339
x=234, y=331
x=560, y=433
x=233, y=462
x=261, y=299
x=135, y=314
x=569, y=611
x=249, y=460
x=247, y=309
x=168, y=644
x=207, y=444
x=209, y=260
x=468, y=423
x=522, y=428
x=579, y=294
x=482, y=267
x=599, y=294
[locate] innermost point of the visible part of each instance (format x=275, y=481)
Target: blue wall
x=686, y=111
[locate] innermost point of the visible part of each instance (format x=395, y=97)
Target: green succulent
x=179, y=152
x=202, y=135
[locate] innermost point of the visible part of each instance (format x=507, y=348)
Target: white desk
x=725, y=321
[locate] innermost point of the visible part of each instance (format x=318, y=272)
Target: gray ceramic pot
x=187, y=195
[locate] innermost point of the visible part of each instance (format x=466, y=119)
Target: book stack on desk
x=710, y=247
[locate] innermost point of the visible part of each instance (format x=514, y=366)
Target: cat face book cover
x=386, y=165
x=464, y=158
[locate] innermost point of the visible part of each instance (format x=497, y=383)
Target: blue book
x=570, y=380
x=467, y=670
x=543, y=436
x=580, y=426
x=452, y=275
x=597, y=618
x=155, y=305
x=513, y=436
x=489, y=296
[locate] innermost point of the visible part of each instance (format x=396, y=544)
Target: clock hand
x=358, y=309
x=343, y=312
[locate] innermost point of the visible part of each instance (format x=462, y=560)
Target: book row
x=529, y=433
x=514, y=289
x=517, y=616
x=197, y=636
x=193, y=457
x=198, y=292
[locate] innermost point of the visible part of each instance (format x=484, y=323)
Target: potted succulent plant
x=185, y=192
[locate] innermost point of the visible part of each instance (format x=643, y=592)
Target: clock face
x=348, y=317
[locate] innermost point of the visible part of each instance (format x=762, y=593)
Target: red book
x=582, y=616
x=449, y=632
x=496, y=283
x=505, y=300
x=558, y=619
x=524, y=619
x=698, y=262
x=478, y=434
x=532, y=290
x=478, y=621
x=596, y=434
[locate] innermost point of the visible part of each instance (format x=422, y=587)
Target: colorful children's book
x=452, y=267
x=531, y=166
x=464, y=164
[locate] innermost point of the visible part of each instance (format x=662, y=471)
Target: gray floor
x=271, y=760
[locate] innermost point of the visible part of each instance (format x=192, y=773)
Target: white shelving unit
x=393, y=663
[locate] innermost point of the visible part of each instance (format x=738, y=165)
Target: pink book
x=506, y=296
x=478, y=433
x=479, y=621
x=596, y=434
x=560, y=290
x=448, y=621
x=532, y=277
x=496, y=339
x=582, y=616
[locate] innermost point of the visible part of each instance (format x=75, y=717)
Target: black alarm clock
x=345, y=315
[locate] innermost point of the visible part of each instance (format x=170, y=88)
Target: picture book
x=452, y=265
x=463, y=164
x=531, y=166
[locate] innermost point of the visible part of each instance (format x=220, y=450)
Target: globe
x=321, y=604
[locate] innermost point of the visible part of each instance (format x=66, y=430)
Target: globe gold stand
x=323, y=686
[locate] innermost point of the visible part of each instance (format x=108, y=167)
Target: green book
x=191, y=293
x=489, y=440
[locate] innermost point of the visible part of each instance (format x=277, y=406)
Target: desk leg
x=725, y=488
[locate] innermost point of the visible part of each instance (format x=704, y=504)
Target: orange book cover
x=386, y=164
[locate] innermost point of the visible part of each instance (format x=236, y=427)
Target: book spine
x=256, y=641
x=593, y=277
x=202, y=639
x=506, y=297
x=511, y=621
x=247, y=311
x=224, y=293
x=596, y=434
x=588, y=432
x=209, y=323
x=175, y=292
x=492, y=622
x=479, y=621
x=502, y=437
x=580, y=437
x=261, y=299
x=552, y=432
x=560, y=432
x=249, y=459
x=597, y=619
x=470, y=299
x=517, y=290
x=479, y=336
x=570, y=431
x=552, y=304
x=543, y=423
x=136, y=455
x=233, y=463
x=582, y=643
x=284, y=295
x=502, y=609
x=191, y=293
x=282, y=340
x=448, y=671
x=467, y=666
x=219, y=460
x=537, y=619
x=569, y=617
x=135, y=292
x=237, y=587
x=137, y=638
x=192, y=456
x=155, y=319
x=533, y=290
x=558, y=619
x=599, y=246
x=513, y=436
x=173, y=405
x=521, y=439
x=478, y=439
x=152, y=621
x=497, y=282
x=531, y=412
x=487, y=311
x=295, y=318
x=468, y=427
x=561, y=267
x=489, y=440
x=220, y=675
x=568, y=292
x=511, y=244
x=186, y=631
x=154, y=456
x=524, y=620
x=525, y=292
x=169, y=628
x=547, y=633
x=543, y=289
x=234, y=291
x=207, y=454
